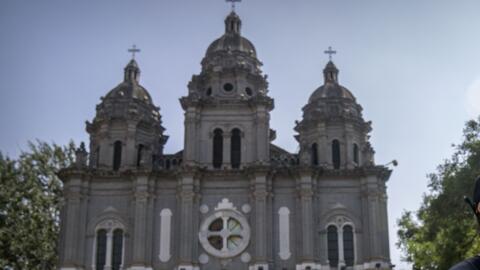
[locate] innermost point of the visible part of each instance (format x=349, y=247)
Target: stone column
x=384, y=220
x=370, y=217
x=324, y=158
x=260, y=195
x=73, y=207
x=262, y=136
x=191, y=138
x=139, y=229
x=129, y=149
x=227, y=136
x=83, y=223
x=341, y=255
x=349, y=146
x=108, y=256
x=305, y=194
x=186, y=197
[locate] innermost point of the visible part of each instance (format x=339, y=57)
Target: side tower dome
x=127, y=130
x=227, y=110
x=333, y=133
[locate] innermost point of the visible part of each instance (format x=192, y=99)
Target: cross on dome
x=133, y=50
x=330, y=52
x=233, y=3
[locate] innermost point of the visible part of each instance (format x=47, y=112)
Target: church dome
x=231, y=40
x=331, y=88
x=130, y=87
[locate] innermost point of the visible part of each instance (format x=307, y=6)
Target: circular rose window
x=225, y=234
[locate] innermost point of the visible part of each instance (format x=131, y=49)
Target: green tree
x=30, y=204
x=443, y=231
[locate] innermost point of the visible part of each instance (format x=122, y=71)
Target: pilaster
x=260, y=197
x=73, y=200
x=139, y=233
x=305, y=198
x=191, y=138
x=186, y=197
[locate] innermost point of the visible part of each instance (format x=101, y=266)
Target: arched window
x=332, y=242
x=117, y=251
x=101, y=249
x=314, y=154
x=355, y=153
x=217, y=148
x=235, y=148
x=117, y=155
x=336, y=154
x=140, y=154
x=348, y=245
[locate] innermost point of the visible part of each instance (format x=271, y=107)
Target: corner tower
x=227, y=109
x=127, y=131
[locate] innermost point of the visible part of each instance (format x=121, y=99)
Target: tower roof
x=232, y=40
x=130, y=88
x=331, y=88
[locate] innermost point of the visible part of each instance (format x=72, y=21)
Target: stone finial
x=81, y=156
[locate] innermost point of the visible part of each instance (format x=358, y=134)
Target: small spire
x=233, y=24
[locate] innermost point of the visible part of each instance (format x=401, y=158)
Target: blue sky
x=412, y=65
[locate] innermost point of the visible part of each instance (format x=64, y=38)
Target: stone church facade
x=231, y=199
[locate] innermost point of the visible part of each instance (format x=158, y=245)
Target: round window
x=228, y=87
x=225, y=234
x=249, y=91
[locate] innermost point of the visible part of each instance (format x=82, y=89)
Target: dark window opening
x=101, y=249
x=248, y=91
x=117, y=249
x=209, y=91
x=167, y=164
x=314, y=154
x=97, y=157
x=332, y=242
x=336, y=154
x=355, y=153
x=140, y=154
x=217, y=148
x=348, y=245
x=117, y=155
x=236, y=148
x=228, y=87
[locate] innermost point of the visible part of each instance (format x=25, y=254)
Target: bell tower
x=227, y=109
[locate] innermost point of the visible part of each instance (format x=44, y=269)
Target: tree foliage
x=443, y=231
x=30, y=204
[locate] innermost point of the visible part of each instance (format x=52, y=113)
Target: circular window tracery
x=225, y=234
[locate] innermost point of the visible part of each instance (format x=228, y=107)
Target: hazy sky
x=414, y=66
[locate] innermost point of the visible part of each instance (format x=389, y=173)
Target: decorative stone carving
x=203, y=258
x=203, y=209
